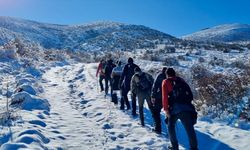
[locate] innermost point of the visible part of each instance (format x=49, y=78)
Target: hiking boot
x=134, y=114
x=141, y=124
x=122, y=108
x=172, y=148
x=156, y=131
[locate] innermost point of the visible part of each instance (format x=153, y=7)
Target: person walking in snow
x=100, y=71
x=108, y=70
x=116, y=75
x=127, y=73
x=156, y=98
x=141, y=84
x=176, y=100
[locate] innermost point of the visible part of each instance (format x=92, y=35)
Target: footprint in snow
x=85, y=114
x=46, y=112
x=54, y=114
x=55, y=131
x=113, y=138
x=54, y=84
x=80, y=94
x=100, y=119
x=61, y=137
x=98, y=114
x=80, y=71
x=126, y=125
x=71, y=86
x=40, y=116
x=83, y=102
x=35, y=132
x=107, y=126
x=38, y=122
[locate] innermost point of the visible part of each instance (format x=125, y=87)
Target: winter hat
x=130, y=60
x=164, y=69
x=171, y=72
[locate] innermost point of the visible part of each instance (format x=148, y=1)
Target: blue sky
x=175, y=17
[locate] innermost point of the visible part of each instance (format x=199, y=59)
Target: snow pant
x=107, y=83
x=101, y=78
x=187, y=120
x=156, y=113
x=124, y=99
x=142, y=96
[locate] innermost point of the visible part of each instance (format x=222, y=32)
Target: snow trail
x=81, y=118
x=74, y=131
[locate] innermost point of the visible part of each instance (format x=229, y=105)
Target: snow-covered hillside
x=88, y=37
x=49, y=98
x=79, y=117
x=222, y=33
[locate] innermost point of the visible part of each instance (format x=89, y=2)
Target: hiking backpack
x=181, y=92
x=144, y=83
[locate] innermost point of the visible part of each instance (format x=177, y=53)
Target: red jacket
x=100, y=70
x=166, y=89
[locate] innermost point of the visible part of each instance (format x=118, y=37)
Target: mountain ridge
x=234, y=32
x=101, y=34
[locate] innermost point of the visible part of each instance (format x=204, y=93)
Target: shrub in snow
x=246, y=74
x=150, y=57
x=221, y=89
x=201, y=60
x=183, y=58
x=239, y=64
x=198, y=52
x=216, y=62
x=199, y=71
x=8, y=54
x=171, y=61
x=27, y=88
x=248, y=46
x=226, y=50
x=219, y=95
x=24, y=100
x=169, y=49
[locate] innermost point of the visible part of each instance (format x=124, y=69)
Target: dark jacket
x=108, y=69
x=157, y=89
x=127, y=73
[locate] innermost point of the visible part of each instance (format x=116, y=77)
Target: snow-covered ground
x=80, y=117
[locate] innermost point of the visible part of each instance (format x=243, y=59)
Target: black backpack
x=144, y=83
x=181, y=92
x=108, y=69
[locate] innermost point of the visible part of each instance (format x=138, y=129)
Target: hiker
x=127, y=73
x=108, y=70
x=141, y=84
x=176, y=101
x=156, y=98
x=116, y=75
x=100, y=71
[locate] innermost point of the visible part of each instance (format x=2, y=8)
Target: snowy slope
x=222, y=33
x=81, y=118
x=94, y=36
